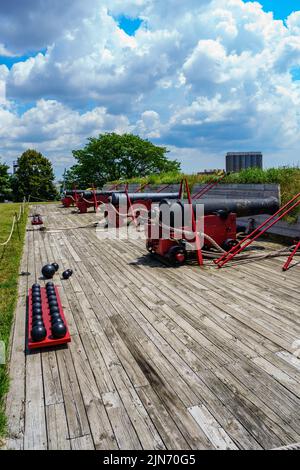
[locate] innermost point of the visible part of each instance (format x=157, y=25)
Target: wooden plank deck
x=160, y=358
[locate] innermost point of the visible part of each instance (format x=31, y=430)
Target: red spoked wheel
x=177, y=255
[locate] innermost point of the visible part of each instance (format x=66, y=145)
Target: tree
x=5, y=181
x=34, y=177
x=113, y=157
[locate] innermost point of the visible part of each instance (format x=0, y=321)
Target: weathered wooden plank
x=82, y=443
x=124, y=431
x=57, y=428
x=291, y=359
x=281, y=376
x=35, y=436
x=75, y=410
x=215, y=433
x=52, y=385
x=164, y=423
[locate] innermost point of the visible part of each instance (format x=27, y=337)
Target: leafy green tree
x=5, y=181
x=73, y=179
x=34, y=177
x=113, y=157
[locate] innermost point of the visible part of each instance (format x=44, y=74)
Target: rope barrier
x=91, y=202
x=16, y=219
x=11, y=232
x=20, y=213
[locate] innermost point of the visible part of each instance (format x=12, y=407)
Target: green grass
x=10, y=257
x=287, y=177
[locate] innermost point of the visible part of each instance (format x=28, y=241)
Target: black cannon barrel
x=90, y=194
x=179, y=210
x=121, y=198
x=87, y=194
x=71, y=192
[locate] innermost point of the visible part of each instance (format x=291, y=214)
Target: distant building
x=15, y=166
x=237, y=161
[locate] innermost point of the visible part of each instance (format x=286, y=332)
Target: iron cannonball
x=56, y=266
x=67, y=274
x=48, y=271
x=37, y=317
x=51, y=291
x=36, y=304
x=55, y=317
x=38, y=333
x=37, y=311
x=54, y=309
x=36, y=295
x=36, y=286
x=59, y=330
x=36, y=322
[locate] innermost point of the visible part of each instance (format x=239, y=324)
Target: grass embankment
x=10, y=257
x=288, y=178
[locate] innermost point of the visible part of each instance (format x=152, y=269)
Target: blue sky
x=280, y=8
x=129, y=25
x=10, y=61
x=199, y=77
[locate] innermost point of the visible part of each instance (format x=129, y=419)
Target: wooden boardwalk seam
x=160, y=358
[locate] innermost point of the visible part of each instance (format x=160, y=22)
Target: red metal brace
x=235, y=250
x=95, y=199
x=194, y=224
x=140, y=189
x=209, y=186
x=76, y=197
x=163, y=188
x=286, y=265
x=130, y=207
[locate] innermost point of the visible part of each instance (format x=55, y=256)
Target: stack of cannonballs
x=38, y=331
x=58, y=327
x=39, y=308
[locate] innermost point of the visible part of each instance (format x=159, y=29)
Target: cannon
x=84, y=199
x=93, y=199
x=122, y=204
x=69, y=197
x=170, y=234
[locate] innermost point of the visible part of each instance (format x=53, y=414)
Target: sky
x=201, y=77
